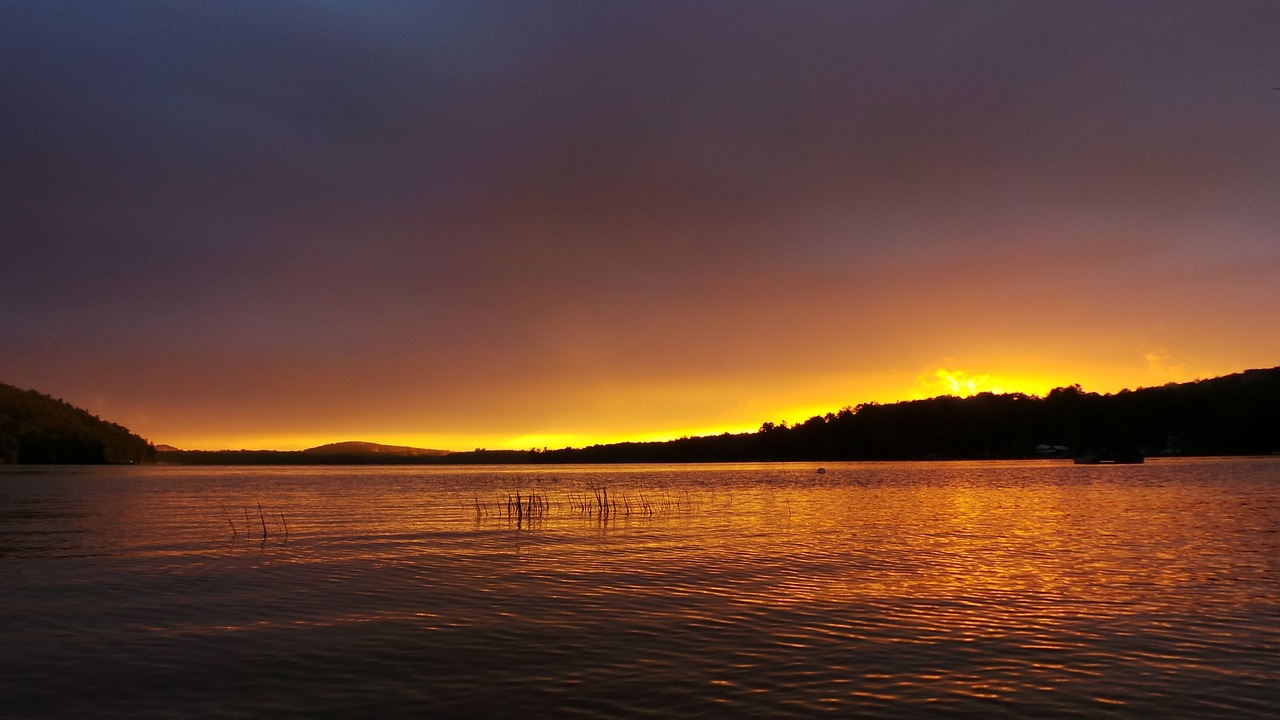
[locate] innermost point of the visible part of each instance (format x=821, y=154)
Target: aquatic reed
x=234, y=532
x=278, y=522
x=523, y=507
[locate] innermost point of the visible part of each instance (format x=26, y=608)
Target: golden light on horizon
x=955, y=382
x=667, y=411
x=962, y=383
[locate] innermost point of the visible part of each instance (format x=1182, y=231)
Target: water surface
x=1016, y=589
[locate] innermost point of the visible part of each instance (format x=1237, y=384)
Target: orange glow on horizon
x=961, y=383
x=791, y=404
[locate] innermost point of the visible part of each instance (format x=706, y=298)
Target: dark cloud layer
x=451, y=206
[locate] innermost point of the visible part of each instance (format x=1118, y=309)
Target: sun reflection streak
x=946, y=583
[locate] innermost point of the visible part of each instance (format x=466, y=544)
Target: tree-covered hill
x=1231, y=415
x=358, y=448
x=36, y=428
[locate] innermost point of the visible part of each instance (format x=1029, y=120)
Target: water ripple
x=879, y=590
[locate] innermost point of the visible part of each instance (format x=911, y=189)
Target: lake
x=879, y=590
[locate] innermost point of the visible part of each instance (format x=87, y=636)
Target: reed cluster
x=259, y=530
x=596, y=503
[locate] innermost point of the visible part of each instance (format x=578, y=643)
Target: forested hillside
x=36, y=428
x=1232, y=415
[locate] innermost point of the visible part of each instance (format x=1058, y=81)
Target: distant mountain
x=342, y=453
x=355, y=447
x=39, y=429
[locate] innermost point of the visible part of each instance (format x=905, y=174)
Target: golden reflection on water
x=1085, y=544
x=742, y=587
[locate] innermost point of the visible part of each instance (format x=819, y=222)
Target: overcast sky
x=464, y=224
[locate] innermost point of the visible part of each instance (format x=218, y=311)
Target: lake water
x=1012, y=589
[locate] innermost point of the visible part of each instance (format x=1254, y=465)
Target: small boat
x=822, y=471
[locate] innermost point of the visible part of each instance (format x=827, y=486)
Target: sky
x=526, y=224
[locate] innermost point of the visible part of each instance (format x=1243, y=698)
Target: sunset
x=510, y=225
x=622, y=359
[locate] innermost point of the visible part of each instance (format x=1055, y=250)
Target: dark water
x=987, y=590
